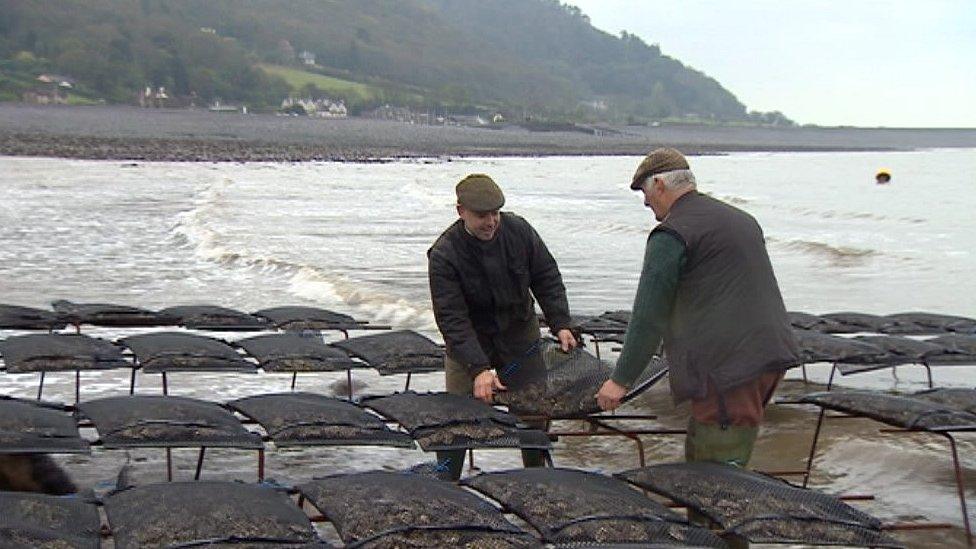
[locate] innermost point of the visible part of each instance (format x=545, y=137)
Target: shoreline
x=222, y=151
x=135, y=134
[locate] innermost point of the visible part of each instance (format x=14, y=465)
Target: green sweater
x=664, y=259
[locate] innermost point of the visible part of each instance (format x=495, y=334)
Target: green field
x=298, y=79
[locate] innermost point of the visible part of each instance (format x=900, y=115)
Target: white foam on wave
x=331, y=290
x=316, y=285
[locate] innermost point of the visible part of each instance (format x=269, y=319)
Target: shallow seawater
x=353, y=237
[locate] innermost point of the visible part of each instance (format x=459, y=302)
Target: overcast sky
x=896, y=63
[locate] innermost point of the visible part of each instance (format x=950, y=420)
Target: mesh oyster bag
x=385, y=509
x=306, y=419
x=760, y=508
x=570, y=506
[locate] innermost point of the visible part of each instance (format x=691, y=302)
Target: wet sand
x=130, y=133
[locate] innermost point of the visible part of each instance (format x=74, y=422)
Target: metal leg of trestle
x=471, y=465
x=960, y=487
x=203, y=450
x=813, y=446
x=132, y=382
x=596, y=348
x=261, y=465
x=169, y=465
x=40, y=387
x=830, y=379
x=77, y=387
x=928, y=372
x=803, y=368
x=407, y=386
x=294, y=378
x=349, y=381
x=165, y=385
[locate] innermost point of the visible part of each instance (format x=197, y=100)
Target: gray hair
x=677, y=179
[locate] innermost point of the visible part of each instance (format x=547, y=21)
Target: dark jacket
x=728, y=324
x=481, y=292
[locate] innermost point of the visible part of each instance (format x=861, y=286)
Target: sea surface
x=352, y=237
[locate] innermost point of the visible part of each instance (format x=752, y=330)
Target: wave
x=837, y=255
x=192, y=230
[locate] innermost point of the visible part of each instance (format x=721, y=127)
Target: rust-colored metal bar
x=203, y=450
x=830, y=379
x=813, y=446
x=960, y=487
x=40, y=386
x=631, y=436
x=917, y=526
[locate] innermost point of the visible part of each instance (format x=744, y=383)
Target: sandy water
x=352, y=237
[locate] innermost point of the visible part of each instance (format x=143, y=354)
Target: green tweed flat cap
x=478, y=192
x=658, y=161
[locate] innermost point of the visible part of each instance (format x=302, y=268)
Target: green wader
x=459, y=382
x=731, y=445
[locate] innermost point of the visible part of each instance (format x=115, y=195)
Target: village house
x=321, y=108
x=52, y=90
x=307, y=57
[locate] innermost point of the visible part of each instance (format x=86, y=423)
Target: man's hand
x=485, y=384
x=567, y=341
x=610, y=395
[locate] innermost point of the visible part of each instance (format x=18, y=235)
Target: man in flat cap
x=484, y=271
x=708, y=291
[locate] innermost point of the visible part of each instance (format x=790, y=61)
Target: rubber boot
x=732, y=445
x=449, y=464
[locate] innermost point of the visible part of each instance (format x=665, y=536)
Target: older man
x=707, y=289
x=484, y=271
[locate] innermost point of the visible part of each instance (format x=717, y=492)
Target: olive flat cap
x=478, y=192
x=658, y=161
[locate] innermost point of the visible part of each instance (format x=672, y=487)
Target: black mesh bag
x=857, y=322
x=569, y=506
x=60, y=352
x=896, y=350
x=206, y=513
x=166, y=421
x=306, y=419
x=177, y=351
x=391, y=510
x=29, y=426
x=931, y=323
x=955, y=398
x=396, y=352
x=760, y=508
x=818, y=347
x=15, y=317
x=297, y=353
x=104, y=314
x=568, y=384
x=214, y=318
x=956, y=349
x=295, y=318
x=442, y=421
x=607, y=323
x=48, y=522
x=807, y=321
x=901, y=411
